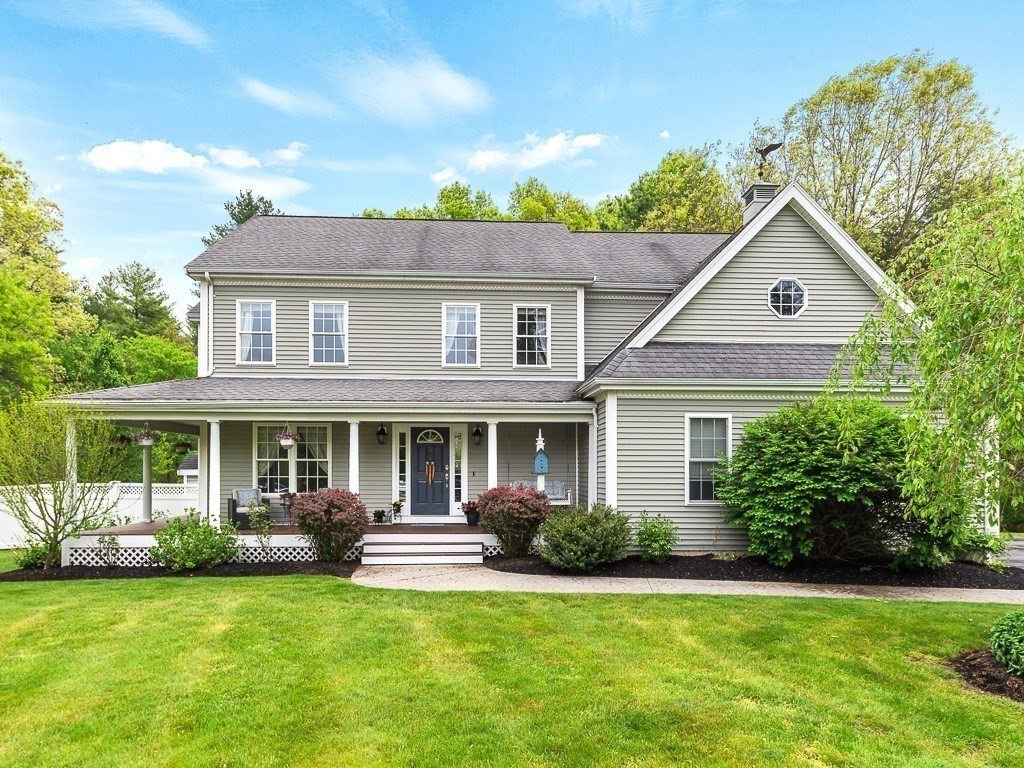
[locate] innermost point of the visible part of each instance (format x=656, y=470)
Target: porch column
x=592, y=461
x=353, y=456
x=492, y=454
x=213, y=510
x=147, y=483
x=611, y=450
x=203, y=502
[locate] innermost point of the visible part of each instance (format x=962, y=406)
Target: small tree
x=38, y=491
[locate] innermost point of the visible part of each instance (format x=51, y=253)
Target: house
x=188, y=469
x=418, y=360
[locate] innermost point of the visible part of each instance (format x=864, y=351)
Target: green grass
x=296, y=671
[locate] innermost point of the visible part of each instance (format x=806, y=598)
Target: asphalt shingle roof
x=723, y=361
x=189, y=463
x=338, y=390
x=338, y=244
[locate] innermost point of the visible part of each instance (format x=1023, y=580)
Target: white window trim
x=344, y=331
x=768, y=299
x=273, y=332
x=686, y=453
x=444, y=333
x=515, y=334
x=293, y=472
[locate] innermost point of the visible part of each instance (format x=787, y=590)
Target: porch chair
x=555, y=489
x=240, y=499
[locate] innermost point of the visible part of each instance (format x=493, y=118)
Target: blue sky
x=141, y=117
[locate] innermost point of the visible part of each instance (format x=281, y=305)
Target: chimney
x=757, y=196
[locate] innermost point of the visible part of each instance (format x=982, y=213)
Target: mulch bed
x=957, y=575
x=980, y=670
x=72, y=572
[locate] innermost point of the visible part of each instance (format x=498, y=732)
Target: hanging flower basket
x=182, y=447
x=145, y=437
x=287, y=439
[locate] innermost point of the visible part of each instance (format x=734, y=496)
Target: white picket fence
x=169, y=500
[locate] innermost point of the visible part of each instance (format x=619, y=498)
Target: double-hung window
x=707, y=443
x=328, y=333
x=533, y=336
x=461, y=334
x=255, y=343
x=304, y=467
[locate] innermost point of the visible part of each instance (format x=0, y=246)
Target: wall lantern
x=477, y=435
x=382, y=434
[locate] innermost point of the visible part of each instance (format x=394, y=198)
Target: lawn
x=311, y=670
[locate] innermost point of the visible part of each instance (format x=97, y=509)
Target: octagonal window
x=787, y=298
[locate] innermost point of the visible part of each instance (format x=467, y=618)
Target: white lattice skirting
x=138, y=557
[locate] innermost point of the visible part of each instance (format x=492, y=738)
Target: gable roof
x=190, y=464
x=794, y=195
x=322, y=244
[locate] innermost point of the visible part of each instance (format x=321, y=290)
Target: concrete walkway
x=1017, y=553
x=478, y=578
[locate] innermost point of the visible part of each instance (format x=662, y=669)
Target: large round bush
x=1008, y=641
x=332, y=520
x=513, y=515
x=187, y=543
x=580, y=538
x=822, y=479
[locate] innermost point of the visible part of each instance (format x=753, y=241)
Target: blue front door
x=430, y=471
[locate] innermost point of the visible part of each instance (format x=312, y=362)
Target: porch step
x=422, y=553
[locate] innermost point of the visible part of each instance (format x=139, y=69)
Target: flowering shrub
x=579, y=539
x=332, y=520
x=513, y=515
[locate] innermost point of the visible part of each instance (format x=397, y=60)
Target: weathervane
x=764, y=152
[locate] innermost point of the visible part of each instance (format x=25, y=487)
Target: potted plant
x=145, y=437
x=396, y=510
x=287, y=439
x=472, y=512
x=182, y=447
x=379, y=515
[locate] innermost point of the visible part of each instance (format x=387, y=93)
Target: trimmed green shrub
x=580, y=538
x=656, y=536
x=513, y=515
x=822, y=480
x=1008, y=641
x=332, y=520
x=33, y=555
x=187, y=543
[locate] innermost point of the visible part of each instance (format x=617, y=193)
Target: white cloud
x=446, y=175
x=665, y=135
x=391, y=164
x=535, y=152
x=163, y=158
x=89, y=263
x=232, y=158
x=636, y=14
x=423, y=89
x=147, y=15
x=146, y=156
x=292, y=102
x=290, y=154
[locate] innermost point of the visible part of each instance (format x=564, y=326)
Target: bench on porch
x=557, y=493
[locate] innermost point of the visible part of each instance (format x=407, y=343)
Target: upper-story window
x=255, y=343
x=328, y=333
x=461, y=334
x=533, y=336
x=788, y=297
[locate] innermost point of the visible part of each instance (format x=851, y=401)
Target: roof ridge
x=406, y=218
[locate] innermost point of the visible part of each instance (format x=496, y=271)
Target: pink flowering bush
x=332, y=520
x=513, y=515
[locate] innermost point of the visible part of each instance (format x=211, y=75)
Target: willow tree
x=960, y=349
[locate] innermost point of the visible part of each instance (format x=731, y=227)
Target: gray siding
x=734, y=304
x=652, y=465
x=396, y=332
x=610, y=317
x=517, y=446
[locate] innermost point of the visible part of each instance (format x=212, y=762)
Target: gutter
x=713, y=386
x=365, y=274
